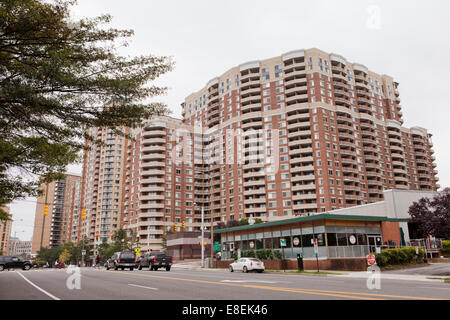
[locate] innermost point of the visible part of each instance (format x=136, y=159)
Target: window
x=332, y=239
x=342, y=239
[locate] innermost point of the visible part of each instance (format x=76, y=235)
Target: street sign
x=83, y=252
x=371, y=259
x=282, y=242
x=316, y=247
x=137, y=250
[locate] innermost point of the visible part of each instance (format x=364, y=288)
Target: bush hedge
x=399, y=256
x=445, y=250
x=262, y=254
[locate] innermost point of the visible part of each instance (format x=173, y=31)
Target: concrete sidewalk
x=390, y=276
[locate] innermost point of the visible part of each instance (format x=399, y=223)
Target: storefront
x=336, y=236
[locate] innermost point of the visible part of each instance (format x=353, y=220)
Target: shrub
x=235, y=255
x=278, y=255
x=248, y=254
x=445, y=250
x=398, y=256
x=264, y=254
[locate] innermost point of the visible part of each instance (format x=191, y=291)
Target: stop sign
x=371, y=259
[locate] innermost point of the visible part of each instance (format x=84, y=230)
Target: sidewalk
x=390, y=276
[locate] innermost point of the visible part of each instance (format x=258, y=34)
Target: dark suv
x=122, y=260
x=12, y=262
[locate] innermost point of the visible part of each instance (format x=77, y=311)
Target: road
x=182, y=284
x=434, y=269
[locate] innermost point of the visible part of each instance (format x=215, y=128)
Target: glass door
x=375, y=243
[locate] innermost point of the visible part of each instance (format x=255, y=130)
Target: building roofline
x=324, y=216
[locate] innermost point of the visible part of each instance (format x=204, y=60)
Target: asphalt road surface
x=435, y=269
x=179, y=284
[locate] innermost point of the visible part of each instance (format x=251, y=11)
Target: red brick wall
x=390, y=231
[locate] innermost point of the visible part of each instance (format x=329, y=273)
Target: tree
x=432, y=216
x=106, y=250
x=232, y=223
x=49, y=255
x=64, y=256
x=58, y=78
x=244, y=221
x=164, y=240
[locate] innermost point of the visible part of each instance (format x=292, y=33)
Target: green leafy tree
x=59, y=77
x=49, y=255
x=106, y=250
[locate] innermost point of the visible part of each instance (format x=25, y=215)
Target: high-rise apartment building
x=166, y=182
x=331, y=136
x=61, y=199
x=5, y=233
x=297, y=134
x=102, y=187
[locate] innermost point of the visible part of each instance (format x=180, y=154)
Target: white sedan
x=247, y=264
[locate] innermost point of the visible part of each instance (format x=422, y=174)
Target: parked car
x=122, y=260
x=247, y=264
x=155, y=260
x=12, y=262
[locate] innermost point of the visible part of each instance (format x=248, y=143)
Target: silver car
x=247, y=264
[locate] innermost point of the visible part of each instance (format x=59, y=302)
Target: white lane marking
x=241, y=281
x=40, y=289
x=135, y=285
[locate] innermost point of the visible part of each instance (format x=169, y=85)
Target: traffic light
x=46, y=210
x=184, y=225
x=204, y=244
x=175, y=228
x=96, y=236
x=83, y=214
x=111, y=235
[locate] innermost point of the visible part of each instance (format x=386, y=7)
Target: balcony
x=153, y=133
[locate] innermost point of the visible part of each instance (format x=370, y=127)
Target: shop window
x=268, y=243
x=362, y=239
x=259, y=244
x=306, y=240
x=297, y=241
x=332, y=239
x=342, y=239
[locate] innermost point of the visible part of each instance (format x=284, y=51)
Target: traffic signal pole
x=43, y=220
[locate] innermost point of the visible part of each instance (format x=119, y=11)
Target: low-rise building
x=338, y=239
x=21, y=248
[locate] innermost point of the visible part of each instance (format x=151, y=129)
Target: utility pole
x=212, y=236
x=203, y=236
x=43, y=220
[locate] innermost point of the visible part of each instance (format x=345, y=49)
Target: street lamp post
x=203, y=236
x=202, y=246
x=43, y=221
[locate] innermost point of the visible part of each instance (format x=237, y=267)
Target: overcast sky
x=408, y=40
